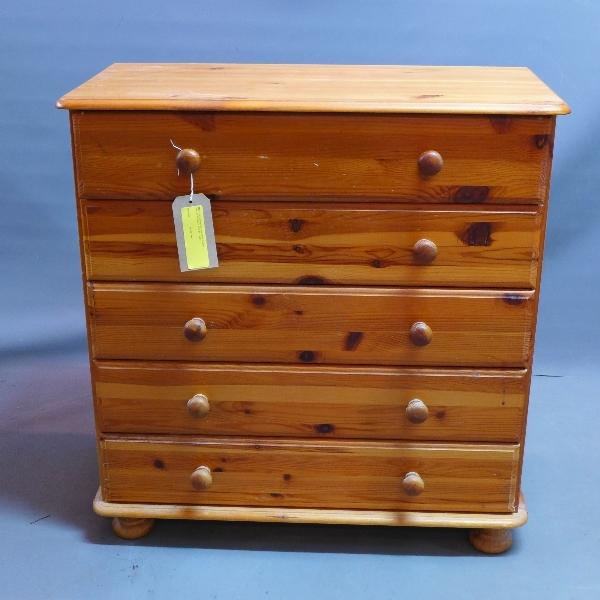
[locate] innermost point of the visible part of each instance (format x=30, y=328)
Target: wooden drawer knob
x=188, y=161
x=430, y=163
x=201, y=478
x=195, y=329
x=424, y=252
x=198, y=405
x=417, y=411
x=413, y=484
x=420, y=334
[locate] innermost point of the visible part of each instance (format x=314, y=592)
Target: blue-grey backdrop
x=46, y=48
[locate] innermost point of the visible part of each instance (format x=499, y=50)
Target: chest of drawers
x=362, y=353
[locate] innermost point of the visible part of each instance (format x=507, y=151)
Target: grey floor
x=53, y=546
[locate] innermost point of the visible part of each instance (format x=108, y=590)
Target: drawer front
x=128, y=154
x=321, y=402
x=300, y=243
x=252, y=472
x=327, y=325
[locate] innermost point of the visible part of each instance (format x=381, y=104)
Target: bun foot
x=132, y=529
x=491, y=541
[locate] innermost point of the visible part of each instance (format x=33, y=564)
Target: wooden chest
x=362, y=353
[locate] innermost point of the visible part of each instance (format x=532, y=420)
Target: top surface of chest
x=317, y=88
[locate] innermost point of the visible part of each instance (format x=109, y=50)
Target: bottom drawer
x=295, y=473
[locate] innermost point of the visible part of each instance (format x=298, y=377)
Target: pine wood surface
x=319, y=474
x=334, y=516
x=296, y=243
x=363, y=352
x=311, y=325
x=491, y=541
x=132, y=529
x=487, y=159
x=314, y=88
x=310, y=401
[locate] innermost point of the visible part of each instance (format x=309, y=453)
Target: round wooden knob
x=413, y=484
x=424, y=252
x=430, y=163
x=417, y=411
x=198, y=405
x=201, y=478
x=420, y=334
x=188, y=161
x=195, y=329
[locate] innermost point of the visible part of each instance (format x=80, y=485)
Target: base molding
x=312, y=515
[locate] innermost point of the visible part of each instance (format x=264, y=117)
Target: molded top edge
x=316, y=88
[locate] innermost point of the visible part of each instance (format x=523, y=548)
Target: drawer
x=311, y=401
x=311, y=325
x=128, y=154
x=301, y=242
x=325, y=474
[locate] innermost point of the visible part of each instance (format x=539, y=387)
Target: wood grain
x=314, y=88
x=309, y=401
x=290, y=473
x=296, y=242
x=334, y=195
x=337, y=516
x=544, y=215
x=296, y=324
x=491, y=541
x=132, y=529
x=128, y=154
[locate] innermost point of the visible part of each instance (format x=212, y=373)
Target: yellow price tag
x=194, y=233
x=194, y=236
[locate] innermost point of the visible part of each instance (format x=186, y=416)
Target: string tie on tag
x=191, y=174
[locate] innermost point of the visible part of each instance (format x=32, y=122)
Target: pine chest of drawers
x=362, y=353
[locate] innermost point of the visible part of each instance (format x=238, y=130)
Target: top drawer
x=128, y=154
